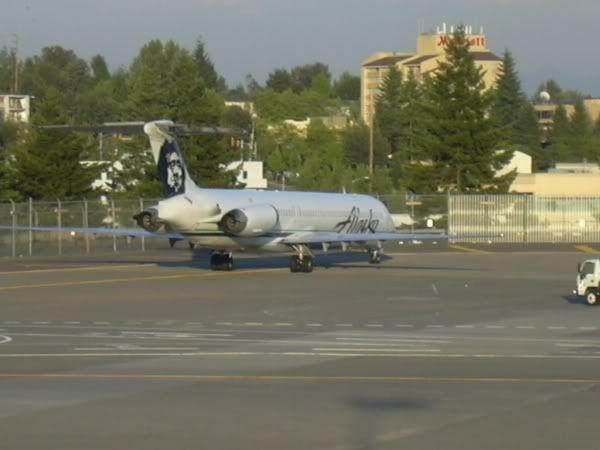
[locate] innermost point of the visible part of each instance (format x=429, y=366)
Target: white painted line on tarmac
x=284, y=324
x=374, y=325
x=102, y=323
x=495, y=327
x=382, y=350
x=465, y=326
x=224, y=324
x=5, y=339
x=587, y=328
x=40, y=323
x=404, y=325
x=314, y=324
x=394, y=340
x=344, y=325
x=11, y=322
x=253, y=324
x=71, y=322
x=526, y=327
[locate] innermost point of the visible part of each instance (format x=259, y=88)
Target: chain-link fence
x=524, y=219
x=473, y=218
x=19, y=240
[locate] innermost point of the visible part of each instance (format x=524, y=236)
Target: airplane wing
x=124, y=232
x=317, y=238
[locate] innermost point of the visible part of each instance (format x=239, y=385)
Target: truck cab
x=588, y=281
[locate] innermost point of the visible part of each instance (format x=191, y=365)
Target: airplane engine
x=250, y=221
x=148, y=220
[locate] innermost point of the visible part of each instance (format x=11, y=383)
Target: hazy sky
x=549, y=38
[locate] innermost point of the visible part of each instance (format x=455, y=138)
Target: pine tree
x=462, y=137
x=509, y=99
x=207, y=70
x=388, y=109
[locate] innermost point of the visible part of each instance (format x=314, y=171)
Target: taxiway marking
x=79, y=269
x=296, y=378
x=134, y=279
x=5, y=339
x=469, y=250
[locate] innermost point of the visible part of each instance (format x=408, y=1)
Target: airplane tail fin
x=172, y=170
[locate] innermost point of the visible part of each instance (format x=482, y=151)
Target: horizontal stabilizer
x=137, y=128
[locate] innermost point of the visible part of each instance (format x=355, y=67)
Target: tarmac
x=445, y=347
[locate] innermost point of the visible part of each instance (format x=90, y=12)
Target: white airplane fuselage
x=198, y=215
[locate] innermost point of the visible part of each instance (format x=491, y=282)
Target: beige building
x=429, y=54
x=16, y=108
x=546, y=110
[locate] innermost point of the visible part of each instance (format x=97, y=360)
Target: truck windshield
x=587, y=268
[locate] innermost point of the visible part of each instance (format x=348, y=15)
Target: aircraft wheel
x=374, y=257
x=307, y=264
x=294, y=264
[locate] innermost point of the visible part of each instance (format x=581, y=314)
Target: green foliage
x=280, y=81
x=462, y=137
x=273, y=106
x=99, y=68
x=207, y=70
x=7, y=70
x=47, y=165
x=347, y=87
x=61, y=70
x=509, y=98
x=557, y=94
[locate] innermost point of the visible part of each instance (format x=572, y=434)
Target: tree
x=304, y=75
x=47, y=165
x=207, y=69
x=99, y=68
x=7, y=70
x=57, y=69
x=388, y=109
x=164, y=82
x=347, y=87
x=462, y=139
x=279, y=80
x=509, y=99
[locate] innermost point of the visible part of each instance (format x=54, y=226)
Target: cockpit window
x=588, y=268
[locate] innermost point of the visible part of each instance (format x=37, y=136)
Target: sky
x=550, y=39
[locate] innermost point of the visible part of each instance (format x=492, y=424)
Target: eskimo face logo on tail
x=354, y=224
x=171, y=170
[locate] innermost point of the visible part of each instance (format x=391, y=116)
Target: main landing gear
x=221, y=261
x=374, y=256
x=303, y=261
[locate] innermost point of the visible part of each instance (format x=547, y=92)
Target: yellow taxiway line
x=587, y=249
x=79, y=269
x=299, y=378
x=180, y=276
x=469, y=250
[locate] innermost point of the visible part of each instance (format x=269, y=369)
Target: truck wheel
x=591, y=298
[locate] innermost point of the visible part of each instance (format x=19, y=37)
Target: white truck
x=588, y=281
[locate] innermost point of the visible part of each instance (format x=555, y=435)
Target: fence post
x=13, y=213
x=143, y=238
x=30, y=226
x=525, y=208
x=86, y=224
x=113, y=216
x=59, y=223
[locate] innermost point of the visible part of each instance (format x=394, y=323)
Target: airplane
x=226, y=220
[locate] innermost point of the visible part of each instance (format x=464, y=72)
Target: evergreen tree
x=7, y=69
x=47, y=165
x=207, y=70
x=509, y=99
x=462, y=139
x=388, y=109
